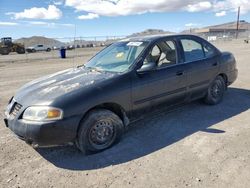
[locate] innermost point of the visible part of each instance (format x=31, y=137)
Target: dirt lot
x=47, y=56
x=194, y=146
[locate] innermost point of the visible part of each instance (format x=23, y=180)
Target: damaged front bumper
x=44, y=133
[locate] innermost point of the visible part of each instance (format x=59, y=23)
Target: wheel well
x=113, y=107
x=224, y=76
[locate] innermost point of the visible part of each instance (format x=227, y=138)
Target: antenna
x=238, y=23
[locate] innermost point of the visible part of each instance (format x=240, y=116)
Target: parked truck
x=38, y=47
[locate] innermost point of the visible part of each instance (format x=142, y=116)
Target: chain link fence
x=225, y=36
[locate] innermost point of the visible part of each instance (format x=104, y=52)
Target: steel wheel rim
x=216, y=90
x=102, y=134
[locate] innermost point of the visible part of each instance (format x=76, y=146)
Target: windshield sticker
x=119, y=55
x=134, y=44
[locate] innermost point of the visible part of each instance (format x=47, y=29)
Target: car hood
x=44, y=90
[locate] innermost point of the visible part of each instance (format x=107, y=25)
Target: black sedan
x=91, y=105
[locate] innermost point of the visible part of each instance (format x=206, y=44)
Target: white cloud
x=220, y=14
x=130, y=7
x=37, y=23
x=57, y=2
x=8, y=23
x=126, y=7
x=191, y=25
x=232, y=5
x=48, y=24
x=201, y=6
x=38, y=13
x=89, y=16
x=67, y=25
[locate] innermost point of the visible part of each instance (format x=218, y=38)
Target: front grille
x=15, y=109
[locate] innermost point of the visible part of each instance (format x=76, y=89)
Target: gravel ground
x=194, y=146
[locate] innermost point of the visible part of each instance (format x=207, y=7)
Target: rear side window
x=209, y=50
x=193, y=50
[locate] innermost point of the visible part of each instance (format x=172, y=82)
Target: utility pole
x=238, y=23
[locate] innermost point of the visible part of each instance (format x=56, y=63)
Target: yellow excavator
x=7, y=46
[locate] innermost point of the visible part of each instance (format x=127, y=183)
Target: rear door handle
x=179, y=73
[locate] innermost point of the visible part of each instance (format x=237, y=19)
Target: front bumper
x=45, y=133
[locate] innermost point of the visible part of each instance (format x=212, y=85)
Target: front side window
x=193, y=50
x=118, y=57
x=163, y=54
x=156, y=51
x=153, y=55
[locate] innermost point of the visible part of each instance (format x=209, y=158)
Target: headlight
x=42, y=113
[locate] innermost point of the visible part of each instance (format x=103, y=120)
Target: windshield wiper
x=79, y=66
x=91, y=68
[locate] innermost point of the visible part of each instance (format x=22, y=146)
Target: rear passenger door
x=202, y=65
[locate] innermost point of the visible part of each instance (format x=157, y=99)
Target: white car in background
x=38, y=47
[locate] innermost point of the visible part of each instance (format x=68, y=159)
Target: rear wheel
x=99, y=131
x=48, y=50
x=20, y=50
x=215, y=91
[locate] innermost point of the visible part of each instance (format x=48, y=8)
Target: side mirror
x=147, y=67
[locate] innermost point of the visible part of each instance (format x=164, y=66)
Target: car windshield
x=118, y=57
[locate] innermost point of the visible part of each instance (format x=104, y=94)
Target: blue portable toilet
x=63, y=52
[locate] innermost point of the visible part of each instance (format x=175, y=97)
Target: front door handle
x=179, y=73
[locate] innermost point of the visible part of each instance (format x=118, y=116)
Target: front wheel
x=215, y=91
x=99, y=130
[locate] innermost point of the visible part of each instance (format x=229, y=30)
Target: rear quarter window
x=193, y=50
x=209, y=50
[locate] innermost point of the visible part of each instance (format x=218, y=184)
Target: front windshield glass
x=118, y=57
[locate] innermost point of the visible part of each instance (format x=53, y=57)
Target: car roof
x=151, y=38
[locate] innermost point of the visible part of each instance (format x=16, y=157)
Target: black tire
x=33, y=50
x=99, y=130
x=20, y=50
x=48, y=50
x=215, y=91
x=4, y=51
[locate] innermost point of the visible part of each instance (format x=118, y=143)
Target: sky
x=69, y=18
